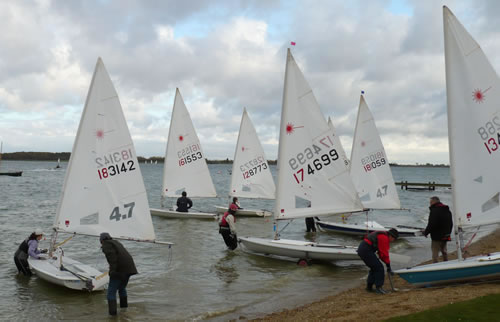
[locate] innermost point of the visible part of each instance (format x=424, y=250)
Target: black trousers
x=376, y=275
x=21, y=261
x=310, y=227
x=231, y=242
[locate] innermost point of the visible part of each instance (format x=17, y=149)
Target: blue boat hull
x=361, y=231
x=472, y=269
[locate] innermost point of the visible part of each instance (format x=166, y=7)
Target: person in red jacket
x=227, y=227
x=378, y=241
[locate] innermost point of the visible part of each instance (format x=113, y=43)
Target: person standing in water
x=236, y=203
x=29, y=247
x=184, y=203
x=378, y=241
x=121, y=267
x=227, y=227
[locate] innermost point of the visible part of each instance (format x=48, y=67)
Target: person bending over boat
x=378, y=241
x=227, y=227
x=184, y=203
x=440, y=225
x=236, y=203
x=29, y=247
x=121, y=267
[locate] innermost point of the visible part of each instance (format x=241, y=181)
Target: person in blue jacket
x=28, y=248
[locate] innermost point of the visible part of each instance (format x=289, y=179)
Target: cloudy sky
x=226, y=55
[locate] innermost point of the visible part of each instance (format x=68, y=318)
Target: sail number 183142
x=115, y=163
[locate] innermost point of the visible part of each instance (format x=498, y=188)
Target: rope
x=64, y=241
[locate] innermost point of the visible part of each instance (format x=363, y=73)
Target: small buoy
x=303, y=262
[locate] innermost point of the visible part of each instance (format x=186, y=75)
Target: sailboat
x=58, y=166
x=473, y=133
x=103, y=189
x=251, y=176
x=312, y=179
x=10, y=173
x=185, y=167
x=372, y=177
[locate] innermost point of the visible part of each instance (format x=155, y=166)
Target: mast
x=456, y=227
x=280, y=146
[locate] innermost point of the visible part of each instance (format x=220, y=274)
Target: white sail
x=251, y=176
x=310, y=167
x=473, y=99
x=370, y=170
x=185, y=167
x=336, y=141
x=103, y=188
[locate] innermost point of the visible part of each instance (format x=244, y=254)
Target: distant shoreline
x=64, y=156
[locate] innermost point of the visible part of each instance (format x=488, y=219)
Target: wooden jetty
x=422, y=185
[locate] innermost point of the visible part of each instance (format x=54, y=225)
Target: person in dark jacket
x=440, y=225
x=121, y=267
x=184, y=203
x=29, y=247
x=378, y=241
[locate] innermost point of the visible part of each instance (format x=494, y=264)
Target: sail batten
x=185, y=167
x=313, y=178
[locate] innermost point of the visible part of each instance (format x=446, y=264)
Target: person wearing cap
x=184, y=203
x=227, y=227
x=440, y=225
x=121, y=267
x=378, y=241
x=28, y=248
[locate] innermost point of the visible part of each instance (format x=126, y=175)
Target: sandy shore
x=357, y=305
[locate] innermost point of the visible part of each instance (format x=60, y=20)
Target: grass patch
x=484, y=308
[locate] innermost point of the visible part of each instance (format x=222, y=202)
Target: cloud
x=228, y=55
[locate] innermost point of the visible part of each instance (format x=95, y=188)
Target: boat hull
x=362, y=230
x=299, y=249
x=454, y=271
x=166, y=213
x=49, y=270
x=245, y=212
x=12, y=174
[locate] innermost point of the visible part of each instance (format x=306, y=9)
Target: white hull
x=168, y=213
x=49, y=270
x=245, y=212
x=299, y=249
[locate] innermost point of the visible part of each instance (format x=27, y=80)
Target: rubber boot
x=369, y=287
x=123, y=302
x=112, y=307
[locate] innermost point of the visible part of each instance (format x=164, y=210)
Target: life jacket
x=24, y=247
x=372, y=238
x=223, y=221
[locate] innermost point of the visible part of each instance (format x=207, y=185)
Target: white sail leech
x=251, y=176
x=185, y=167
x=369, y=168
x=103, y=189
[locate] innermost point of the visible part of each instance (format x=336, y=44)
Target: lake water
x=198, y=278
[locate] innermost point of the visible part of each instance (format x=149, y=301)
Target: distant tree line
x=64, y=156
